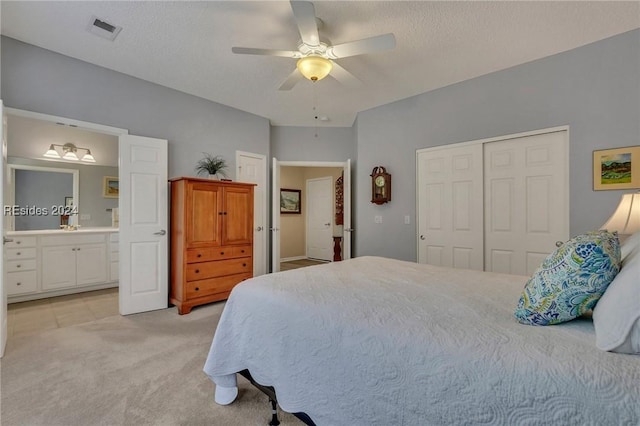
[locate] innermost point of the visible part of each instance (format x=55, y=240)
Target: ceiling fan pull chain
x=315, y=110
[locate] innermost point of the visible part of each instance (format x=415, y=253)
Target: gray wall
x=301, y=144
x=595, y=89
x=39, y=80
x=91, y=200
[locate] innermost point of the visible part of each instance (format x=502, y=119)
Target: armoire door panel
x=204, y=223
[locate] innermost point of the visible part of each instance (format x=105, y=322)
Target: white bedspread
x=375, y=341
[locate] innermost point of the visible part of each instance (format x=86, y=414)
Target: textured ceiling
x=187, y=45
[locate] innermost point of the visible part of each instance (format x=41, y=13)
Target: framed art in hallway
x=290, y=201
x=617, y=168
x=110, y=187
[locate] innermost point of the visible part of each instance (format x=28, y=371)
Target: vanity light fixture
x=69, y=152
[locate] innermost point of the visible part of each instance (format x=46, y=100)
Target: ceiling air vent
x=102, y=28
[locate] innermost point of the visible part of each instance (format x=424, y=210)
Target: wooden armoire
x=211, y=239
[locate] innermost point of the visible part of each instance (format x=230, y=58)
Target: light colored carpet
x=143, y=369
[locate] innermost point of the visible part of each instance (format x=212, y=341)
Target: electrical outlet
x=377, y=219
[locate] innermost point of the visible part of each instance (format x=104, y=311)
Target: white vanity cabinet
x=53, y=263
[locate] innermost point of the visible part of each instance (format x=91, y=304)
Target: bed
x=377, y=341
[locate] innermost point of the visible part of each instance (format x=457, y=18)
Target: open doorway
x=46, y=286
x=308, y=232
x=313, y=230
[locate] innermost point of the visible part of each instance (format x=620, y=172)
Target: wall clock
x=380, y=185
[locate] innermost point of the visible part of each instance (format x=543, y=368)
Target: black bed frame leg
x=274, y=413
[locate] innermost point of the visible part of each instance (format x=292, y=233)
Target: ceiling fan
x=316, y=59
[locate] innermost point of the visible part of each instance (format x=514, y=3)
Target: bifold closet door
x=526, y=200
x=450, y=207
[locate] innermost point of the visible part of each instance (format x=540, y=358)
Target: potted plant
x=212, y=165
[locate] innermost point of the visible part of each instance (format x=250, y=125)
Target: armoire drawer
x=217, y=253
x=210, y=286
x=209, y=253
x=219, y=268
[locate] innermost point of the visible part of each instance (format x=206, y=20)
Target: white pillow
x=629, y=245
x=616, y=317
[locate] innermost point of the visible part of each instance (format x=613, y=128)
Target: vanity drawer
x=21, y=265
x=20, y=241
x=214, y=285
x=21, y=282
x=220, y=268
x=21, y=253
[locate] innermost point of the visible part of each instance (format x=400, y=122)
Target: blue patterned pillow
x=570, y=280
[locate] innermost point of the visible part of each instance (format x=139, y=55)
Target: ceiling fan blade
x=269, y=52
x=305, y=15
x=344, y=76
x=292, y=80
x=359, y=47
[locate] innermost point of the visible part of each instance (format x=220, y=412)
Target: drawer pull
x=18, y=242
x=221, y=252
x=18, y=283
x=17, y=266
x=199, y=254
x=241, y=251
x=18, y=254
x=197, y=271
x=244, y=264
x=197, y=288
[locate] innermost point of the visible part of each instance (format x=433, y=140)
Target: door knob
x=161, y=232
x=559, y=243
x=422, y=237
x=259, y=228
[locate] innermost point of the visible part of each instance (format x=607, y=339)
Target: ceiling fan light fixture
x=314, y=67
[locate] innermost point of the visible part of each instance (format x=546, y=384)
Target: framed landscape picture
x=617, y=168
x=290, y=201
x=110, y=187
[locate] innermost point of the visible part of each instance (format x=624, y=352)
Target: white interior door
x=3, y=291
x=319, y=217
x=143, y=224
x=450, y=205
x=527, y=207
x=348, y=230
x=275, y=216
x=253, y=168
